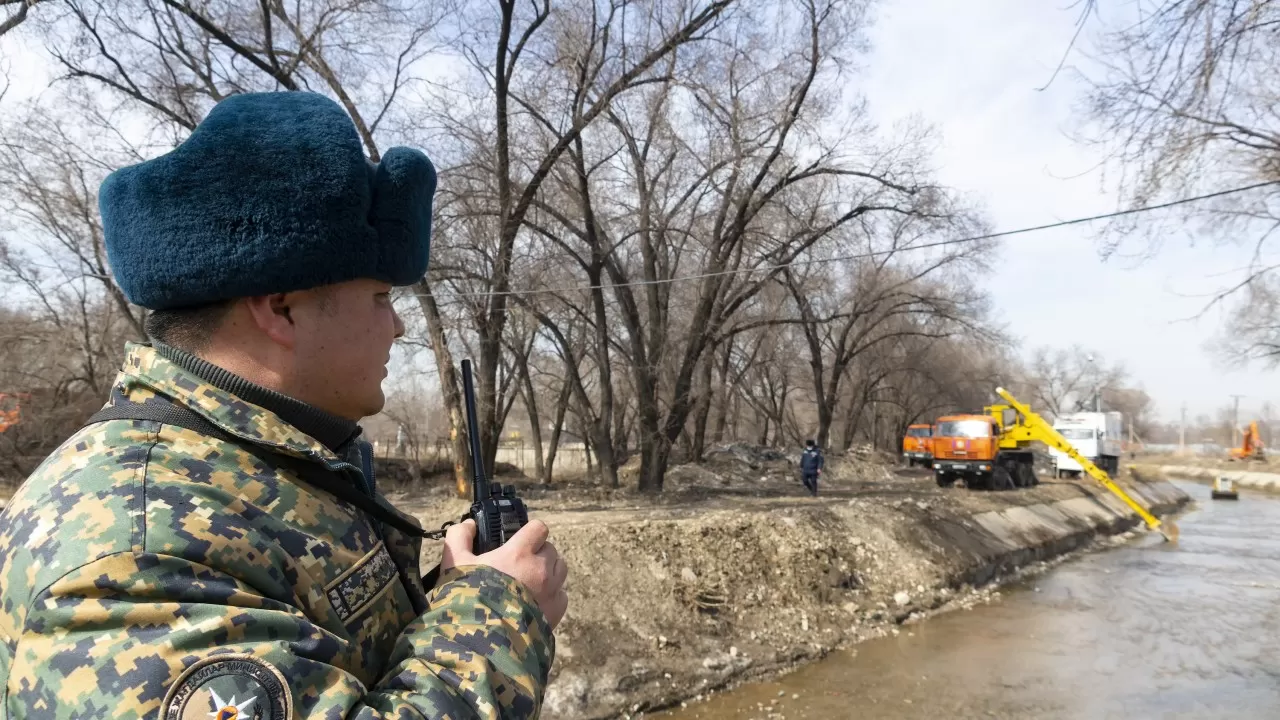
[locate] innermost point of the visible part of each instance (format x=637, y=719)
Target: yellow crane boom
x=1031, y=427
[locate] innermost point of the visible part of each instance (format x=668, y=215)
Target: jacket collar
x=149, y=370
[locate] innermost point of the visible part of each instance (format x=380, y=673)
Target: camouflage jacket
x=150, y=571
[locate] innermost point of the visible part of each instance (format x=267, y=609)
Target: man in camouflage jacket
x=231, y=557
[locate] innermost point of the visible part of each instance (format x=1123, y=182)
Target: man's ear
x=272, y=315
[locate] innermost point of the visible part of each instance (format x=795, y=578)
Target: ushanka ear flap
x=404, y=188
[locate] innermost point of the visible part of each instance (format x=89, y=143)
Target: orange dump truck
x=917, y=445
x=992, y=450
x=967, y=447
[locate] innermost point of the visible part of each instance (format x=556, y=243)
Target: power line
x=878, y=253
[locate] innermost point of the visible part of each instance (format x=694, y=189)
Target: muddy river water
x=1147, y=630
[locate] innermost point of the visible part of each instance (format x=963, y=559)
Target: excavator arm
x=1032, y=427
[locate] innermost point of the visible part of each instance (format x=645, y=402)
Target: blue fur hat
x=271, y=193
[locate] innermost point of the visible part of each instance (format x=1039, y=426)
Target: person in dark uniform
x=811, y=462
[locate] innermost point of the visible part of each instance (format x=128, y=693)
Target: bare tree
x=702, y=174
x=845, y=313
x=636, y=204
x=15, y=13
x=520, y=56
x=762, y=369
x=47, y=370
x=1186, y=105
x=1252, y=333
x=52, y=255
x=413, y=411
x=1064, y=381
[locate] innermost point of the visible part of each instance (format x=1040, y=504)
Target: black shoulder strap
x=161, y=410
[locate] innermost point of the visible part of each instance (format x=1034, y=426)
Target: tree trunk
x=647, y=428
x=824, y=423
x=702, y=412
x=779, y=405
x=531, y=407
x=724, y=394
x=875, y=425
x=655, y=454
x=449, y=388
x=779, y=435
x=486, y=380
x=846, y=438
x=584, y=432
x=595, y=275
x=603, y=423
x=562, y=405
x=603, y=443
x=620, y=447
x=829, y=401
x=856, y=417
x=736, y=424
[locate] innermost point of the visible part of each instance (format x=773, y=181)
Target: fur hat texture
x=271, y=193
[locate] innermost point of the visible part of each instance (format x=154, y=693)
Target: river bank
x=1251, y=476
x=734, y=573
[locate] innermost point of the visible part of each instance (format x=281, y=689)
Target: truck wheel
x=1000, y=479
x=944, y=480
x=1025, y=476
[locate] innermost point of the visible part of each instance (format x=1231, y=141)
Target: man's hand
x=527, y=557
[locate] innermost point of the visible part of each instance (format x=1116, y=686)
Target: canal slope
x=1145, y=630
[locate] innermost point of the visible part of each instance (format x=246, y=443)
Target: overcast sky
x=971, y=69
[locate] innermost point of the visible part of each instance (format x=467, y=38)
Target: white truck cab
x=1096, y=435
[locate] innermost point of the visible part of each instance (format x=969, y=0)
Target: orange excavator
x=1251, y=447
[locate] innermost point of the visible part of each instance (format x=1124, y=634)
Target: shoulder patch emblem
x=229, y=687
x=352, y=592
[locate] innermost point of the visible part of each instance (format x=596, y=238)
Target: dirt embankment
x=735, y=572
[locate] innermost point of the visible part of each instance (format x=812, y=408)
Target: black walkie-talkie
x=498, y=512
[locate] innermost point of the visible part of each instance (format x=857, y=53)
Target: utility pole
x=1097, y=404
x=1182, y=432
x=1235, y=419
